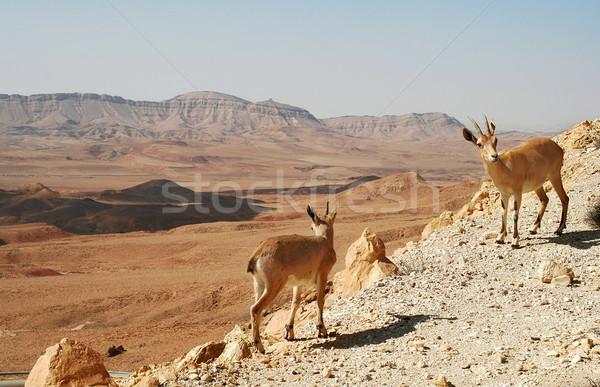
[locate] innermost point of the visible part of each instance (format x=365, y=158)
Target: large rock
x=200, y=354
x=69, y=364
x=365, y=263
x=549, y=270
x=237, y=347
x=445, y=219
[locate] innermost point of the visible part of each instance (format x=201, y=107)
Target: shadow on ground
x=581, y=240
x=400, y=327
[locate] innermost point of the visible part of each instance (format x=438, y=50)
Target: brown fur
x=292, y=260
x=520, y=170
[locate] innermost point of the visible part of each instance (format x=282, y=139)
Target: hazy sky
x=526, y=63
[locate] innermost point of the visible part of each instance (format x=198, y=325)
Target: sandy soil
x=159, y=294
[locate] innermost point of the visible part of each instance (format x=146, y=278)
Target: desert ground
x=160, y=293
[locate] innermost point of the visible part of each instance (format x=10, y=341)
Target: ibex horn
x=487, y=124
x=476, y=126
x=326, y=209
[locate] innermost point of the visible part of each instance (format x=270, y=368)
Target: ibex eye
x=480, y=145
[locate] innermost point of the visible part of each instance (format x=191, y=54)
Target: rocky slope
x=462, y=311
x=409, y=127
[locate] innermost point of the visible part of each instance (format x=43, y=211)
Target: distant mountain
x=192, y=116
x=408, y=127
x=200, y=116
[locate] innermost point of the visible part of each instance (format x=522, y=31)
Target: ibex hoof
x=515, y=245
x=289, y=332
x=532, y=232
x=558, y=232
x=322, y=332
x=259, y=346
x=500, y=242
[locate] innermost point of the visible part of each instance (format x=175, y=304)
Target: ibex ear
x=469, y=136
x=311, y=212
x=492, y=127
x=335, y=211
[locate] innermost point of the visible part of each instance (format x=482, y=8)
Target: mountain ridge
x=200, y=115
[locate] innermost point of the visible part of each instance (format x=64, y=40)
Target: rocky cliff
x=408, y=127
x=203, y=116
x=197, y=116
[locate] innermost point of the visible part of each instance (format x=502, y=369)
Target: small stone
x=232, y=382
x=465, y=364
x=441, y=382
x=193, y=376
x=552, y=354
x=576, y=359
x=428, y=376
x=490, y=235
x=563, y=280
x=499, y=358
x=206, y=378
x=327, y=372
x=293, y=378
x=587, y=343
x=420, y=364
x=519, y=284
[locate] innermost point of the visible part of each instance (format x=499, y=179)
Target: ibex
x=293, y=260
x=520, y=170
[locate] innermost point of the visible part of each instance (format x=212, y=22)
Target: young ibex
x=520, y=170
x=293, y=260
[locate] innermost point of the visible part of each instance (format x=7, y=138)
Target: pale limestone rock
x=561, y=280
x=445, y=219
x=200, y=354
x=237, y=347
x=147, y=381
x=69, y=363
x=366, y=263
x=549, y=269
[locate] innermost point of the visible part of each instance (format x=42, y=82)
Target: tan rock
x=237, y=347
x=366, y=263
x=441, y=382
x=445, y=219
x=549, y=269
x=69, y=363
x=561, y=280
x=147, y=381
x=200, y=354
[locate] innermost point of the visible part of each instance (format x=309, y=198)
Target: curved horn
x=476, y=126
x=487, y=125
x=326, y=209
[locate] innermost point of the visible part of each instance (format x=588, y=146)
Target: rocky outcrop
x=408, y=127
x=445, y=219
x=69, y=363
x=366, y=263
x=550, y=271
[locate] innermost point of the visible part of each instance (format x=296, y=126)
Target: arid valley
x=100, y=245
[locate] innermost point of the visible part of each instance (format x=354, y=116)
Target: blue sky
x=529, y=64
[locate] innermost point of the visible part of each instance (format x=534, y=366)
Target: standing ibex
x=522, y=169
x=293, y=260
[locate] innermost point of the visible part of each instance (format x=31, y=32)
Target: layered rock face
x=408, y=127
x=197, y=115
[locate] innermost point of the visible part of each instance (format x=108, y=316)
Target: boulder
x=200, y=354
x=365, y=263
x=69, y=363
x=237, y=347
x=147, y=381
x=445, y=219
x=549, y=270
